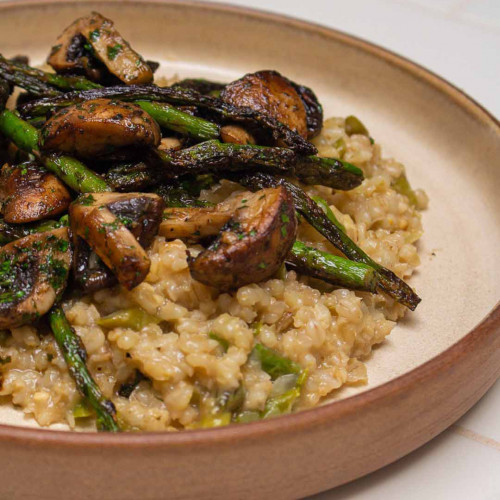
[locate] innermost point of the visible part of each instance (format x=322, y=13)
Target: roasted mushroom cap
x=99, y=127
x=29, y=193
x=270, y=92
x=253, y=244
x=103, y=221
x=71, y=53
x=33, y=275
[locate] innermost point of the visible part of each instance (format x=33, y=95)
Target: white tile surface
x=450, y=467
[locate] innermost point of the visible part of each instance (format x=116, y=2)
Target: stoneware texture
x=437, y=363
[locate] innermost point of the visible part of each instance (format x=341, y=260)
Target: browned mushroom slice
x=236, y=135
x=33, y=275
x=101, y=219
x=270, y=92
x=253, y=244
x=99, y=127
x=195, y=223
x=115, y=52
x=72, y=54
x=29, y=193
x=107, y=45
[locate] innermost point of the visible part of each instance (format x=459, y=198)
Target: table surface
x=459, y=40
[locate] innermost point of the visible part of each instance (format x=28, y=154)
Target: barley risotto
x=188, y=254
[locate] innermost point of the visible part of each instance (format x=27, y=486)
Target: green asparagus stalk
x=71, y=171
x=328, y=212
x=387, y=280
x=200, y=85
x=11, y=232
x=129, y=177
x=75, y=174
x=176, y=96
x=75, y=355
x=20, y=132
x=333, y=269
x=16, y=75
x=40, y=82
x=329, y=172
x=174, y=119
x=215, y=156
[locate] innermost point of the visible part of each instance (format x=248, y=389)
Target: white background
x=460, y=41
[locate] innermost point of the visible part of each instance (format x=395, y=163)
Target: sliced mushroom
x=72, y=54
x=195, y=223
x=103, y=221
x=29, y=193
x=253, y=244
x=314, y=110
x=236, y=135
x=107, y=45
x=99, y=127
x=33, y=275
x=270, y=92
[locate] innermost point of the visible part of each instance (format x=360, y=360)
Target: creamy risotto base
x=186, y=366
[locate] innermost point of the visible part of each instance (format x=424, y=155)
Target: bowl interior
x=449, y=146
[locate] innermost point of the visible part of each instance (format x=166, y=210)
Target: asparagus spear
x=11, y=232
x=328, y=211
x=179, y=96
x=331, y=268
x=329, y=172
x=215, y=156
x=127, y=177
x=200, y=85
x=387, y=280
x=174, y=119
x=75, y=355
x=74, y=173
x=13, y=73
x=38, y=82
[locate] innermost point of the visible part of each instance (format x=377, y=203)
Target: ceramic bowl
x=435, y=365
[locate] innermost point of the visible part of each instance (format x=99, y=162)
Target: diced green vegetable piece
x=354, y=126
x=402, y=186
x=134, y=318
x=82, y=410
x=284, y=384
x=257, y=327
x=216, y=420
x=223, y=342
x=231, y=400
x=247, y=416
x=280, y=405
x=340, y=146
x=274, y=363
